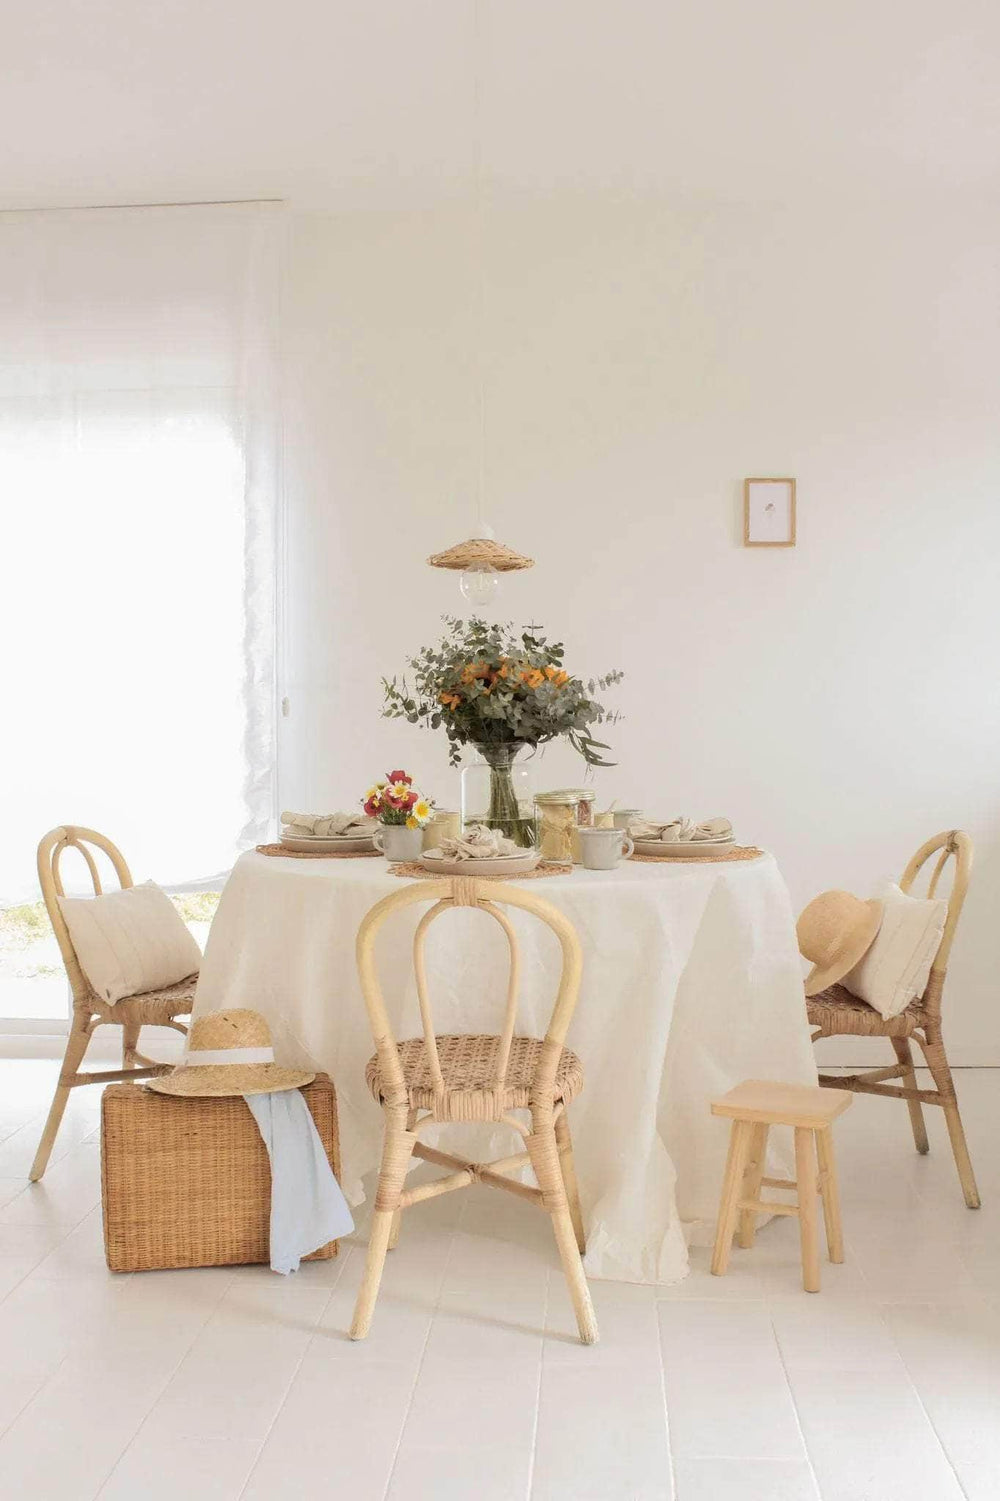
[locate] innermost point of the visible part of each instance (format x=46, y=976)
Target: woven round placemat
x=286, y=854
x=420, y=872
x=746, y=852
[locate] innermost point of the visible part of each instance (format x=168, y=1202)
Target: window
x=139, y=494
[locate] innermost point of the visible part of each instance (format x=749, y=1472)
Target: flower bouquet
x=500, y=690
x=403, y=811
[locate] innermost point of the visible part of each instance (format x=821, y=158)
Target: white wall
x=838, y=700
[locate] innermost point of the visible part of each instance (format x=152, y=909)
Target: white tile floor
x=214, y=1385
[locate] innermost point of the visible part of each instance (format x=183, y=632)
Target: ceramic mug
x=602, y=849
x=396, y=842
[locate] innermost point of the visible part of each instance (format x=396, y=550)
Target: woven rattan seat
x=839, y=1012
x=475, y=1076
x=835, y=1012
x=153, y=1008
x=469, y=1068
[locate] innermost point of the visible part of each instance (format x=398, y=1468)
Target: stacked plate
x=326, y=844
x=488, y=865
x=681, y=849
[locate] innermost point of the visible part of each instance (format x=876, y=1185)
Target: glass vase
x=497, y=791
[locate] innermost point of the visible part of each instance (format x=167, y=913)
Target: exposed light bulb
x=479, y=585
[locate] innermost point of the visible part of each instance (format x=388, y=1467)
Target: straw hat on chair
x=835, y=932
x=229, y=1053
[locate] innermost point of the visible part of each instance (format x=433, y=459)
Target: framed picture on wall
x=769, y=513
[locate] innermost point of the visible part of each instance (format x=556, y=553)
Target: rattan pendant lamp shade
x=481, y=552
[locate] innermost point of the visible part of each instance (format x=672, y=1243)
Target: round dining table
x=692, y=981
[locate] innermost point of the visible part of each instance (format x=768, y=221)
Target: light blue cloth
x=307, y=1206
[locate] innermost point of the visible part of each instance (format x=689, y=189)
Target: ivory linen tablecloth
x=691, y=982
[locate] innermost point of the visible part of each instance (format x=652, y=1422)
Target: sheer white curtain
x=139, y=486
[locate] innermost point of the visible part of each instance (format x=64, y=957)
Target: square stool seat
x=776, y=1104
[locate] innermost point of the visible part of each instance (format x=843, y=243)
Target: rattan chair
x=835, y=1012
x=155, y=1008
x=475, y=1077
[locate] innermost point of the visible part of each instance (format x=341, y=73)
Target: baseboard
x=161, y=1043
x=872, y=1052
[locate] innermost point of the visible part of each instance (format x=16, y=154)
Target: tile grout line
x=423, y=1353
x=920, y=1401
x=666, y=1408
x=795, y=1406
x=538, y=1388
x=170, y=1376
x=291, y=1380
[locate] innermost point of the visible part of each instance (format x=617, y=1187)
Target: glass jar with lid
x=559, y=814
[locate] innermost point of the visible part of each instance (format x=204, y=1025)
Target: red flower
x=399, y=776
x=371, y=808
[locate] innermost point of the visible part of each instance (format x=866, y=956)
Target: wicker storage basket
x=187, y=1182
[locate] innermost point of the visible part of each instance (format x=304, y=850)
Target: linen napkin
x=326, y=824
x=478, y=842
x=308, y=1208
x=683, y=831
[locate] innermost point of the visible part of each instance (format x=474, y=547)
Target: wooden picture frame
x=768, y=513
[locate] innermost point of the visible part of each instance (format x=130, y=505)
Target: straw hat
x=229, y=1052
x=835, y=931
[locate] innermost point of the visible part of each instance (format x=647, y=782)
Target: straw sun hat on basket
x=835, y=932
x=229, y=1052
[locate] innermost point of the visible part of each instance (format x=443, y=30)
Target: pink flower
x=399, y=776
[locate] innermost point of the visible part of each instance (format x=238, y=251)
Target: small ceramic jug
x=603, y=848
x=624, y=816
x=396, y=842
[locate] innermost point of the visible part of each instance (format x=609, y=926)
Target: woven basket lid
x=481, y=552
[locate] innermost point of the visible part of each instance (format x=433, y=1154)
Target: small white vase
x=397, y=842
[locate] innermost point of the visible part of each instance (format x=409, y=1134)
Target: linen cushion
x=130, y=941
x=894, y=970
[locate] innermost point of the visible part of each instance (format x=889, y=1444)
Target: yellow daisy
x=421, y=811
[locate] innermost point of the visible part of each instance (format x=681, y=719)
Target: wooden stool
x=754, y=1106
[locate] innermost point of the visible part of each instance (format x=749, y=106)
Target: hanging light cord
x=480, y=251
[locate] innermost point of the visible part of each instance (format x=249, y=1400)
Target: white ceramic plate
x=679, y=850
x=323, y=843
x=495, y=865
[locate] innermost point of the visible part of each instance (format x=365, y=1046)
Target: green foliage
x=493, y=687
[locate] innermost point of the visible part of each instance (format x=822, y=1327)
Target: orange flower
x=533, y=676
x=452, y=700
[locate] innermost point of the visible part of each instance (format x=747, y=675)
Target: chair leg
x=904, y=1054
x=739, y=1146
x=805, y=1178
x=76, y=1047
x=937, y=1062
x=751, y=1183
x=830, y=1191
x=397, y=1219
x=565, y=1144
x=397, y=1149
x=544, y=1153
x=130, y=1043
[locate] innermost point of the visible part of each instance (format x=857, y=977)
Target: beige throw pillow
x=130, y=941
x=895, y=969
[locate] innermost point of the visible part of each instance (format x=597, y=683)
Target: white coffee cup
x=601, y=849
